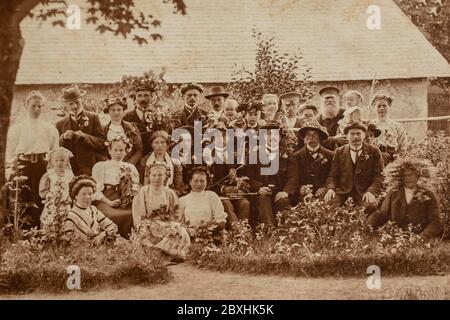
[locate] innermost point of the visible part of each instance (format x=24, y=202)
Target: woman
x=156, y=215
x=85, y=222
x=54, y=184
x=393, y=139
x=200, y=206
x=160, y=141
x=116, y=107
x=410, y=199
x=116, y=184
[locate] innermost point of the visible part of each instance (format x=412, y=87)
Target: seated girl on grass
x=84, y=221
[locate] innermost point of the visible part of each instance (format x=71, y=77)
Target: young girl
x=116, y=181
x=54, y=184
x=85, y=222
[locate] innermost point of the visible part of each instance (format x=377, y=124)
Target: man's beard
x=330, y=110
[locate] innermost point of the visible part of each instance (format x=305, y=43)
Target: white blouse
x=109, y=172
x=205, y=206
x=32, y=136
x=114, y=131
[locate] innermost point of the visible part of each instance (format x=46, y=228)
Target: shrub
x=29, y=265
x=315, y=241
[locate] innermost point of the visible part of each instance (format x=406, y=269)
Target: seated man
x=309, y=166
x=407, y=202
x=356, y=171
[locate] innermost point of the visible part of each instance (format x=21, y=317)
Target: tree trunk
x=11, y=46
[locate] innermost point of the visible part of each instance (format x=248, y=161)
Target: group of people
x=121, y=176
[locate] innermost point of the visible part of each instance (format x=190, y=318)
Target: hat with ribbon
x=72, y=93
x=355, y=125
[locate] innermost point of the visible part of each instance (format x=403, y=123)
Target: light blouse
x=205, y=206
x=392, y=135
x=114, y=131
x=109, y=172
x=32, y=136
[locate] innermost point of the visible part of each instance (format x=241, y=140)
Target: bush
x=315, y=241
x=27, y=266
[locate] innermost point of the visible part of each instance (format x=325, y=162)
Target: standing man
x=145, y=116
x=217, y=98
x=357, y=171
x=191, y=112
x=290, y=104
x=80, y=132
x=27, y=145
x=330, y=115
x=309, y=166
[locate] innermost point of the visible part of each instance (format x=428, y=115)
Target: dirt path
x=192, y=283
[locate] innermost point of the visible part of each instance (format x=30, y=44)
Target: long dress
x=202, y=207
x=157, y=219
x=108, y=175
x=55, y=190
x=84, y=224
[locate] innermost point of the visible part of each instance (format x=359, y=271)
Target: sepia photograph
x=224, y=151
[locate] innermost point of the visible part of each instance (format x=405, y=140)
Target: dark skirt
x=123, y=218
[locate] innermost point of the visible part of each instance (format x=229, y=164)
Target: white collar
x=313, y=149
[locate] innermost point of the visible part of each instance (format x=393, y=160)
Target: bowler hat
x=190, y=86
x=72, y=93
x=329, y=90
x=217, y=91
x=313, y=125
x=355, y=125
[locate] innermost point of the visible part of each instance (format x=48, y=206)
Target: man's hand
x=281, y=195
x=340, y=139
x=329, y=195
x=68, y=135
x=369, y=197
x=265, y=191
x=79, y=134
x=320, y=192
x=115, y=203
x=100, y=238
x=9, y=172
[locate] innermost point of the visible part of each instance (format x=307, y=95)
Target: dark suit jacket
x=304, y=170
x=183, y=118
x=423, y=213
x=367, y=176
x=87, y=150
x=134, y=136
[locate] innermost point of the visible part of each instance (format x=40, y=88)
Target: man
x=307, y=113
x=309, y=167
x=356, y=171
x=217, y=98
x=27, y=146
x=80, y=132
x=145, y=116
x=191, y=112
x=330, y=116
x=290, y=104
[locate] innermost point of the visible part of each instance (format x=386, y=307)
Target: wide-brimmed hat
x=355, y=125
x=329, y=90
x=313, y=125
x=190, y=86
x=115, y=100
x=290, y=94
x=373, y=128
x=72, y=93
x=308, y=106
x=217, y=91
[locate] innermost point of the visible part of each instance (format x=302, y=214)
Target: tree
x=275, y=73
x=432, y=17
x=120, y=17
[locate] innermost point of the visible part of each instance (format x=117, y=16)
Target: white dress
x=55, y=190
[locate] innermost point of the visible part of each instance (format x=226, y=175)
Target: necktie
x=356, y=151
